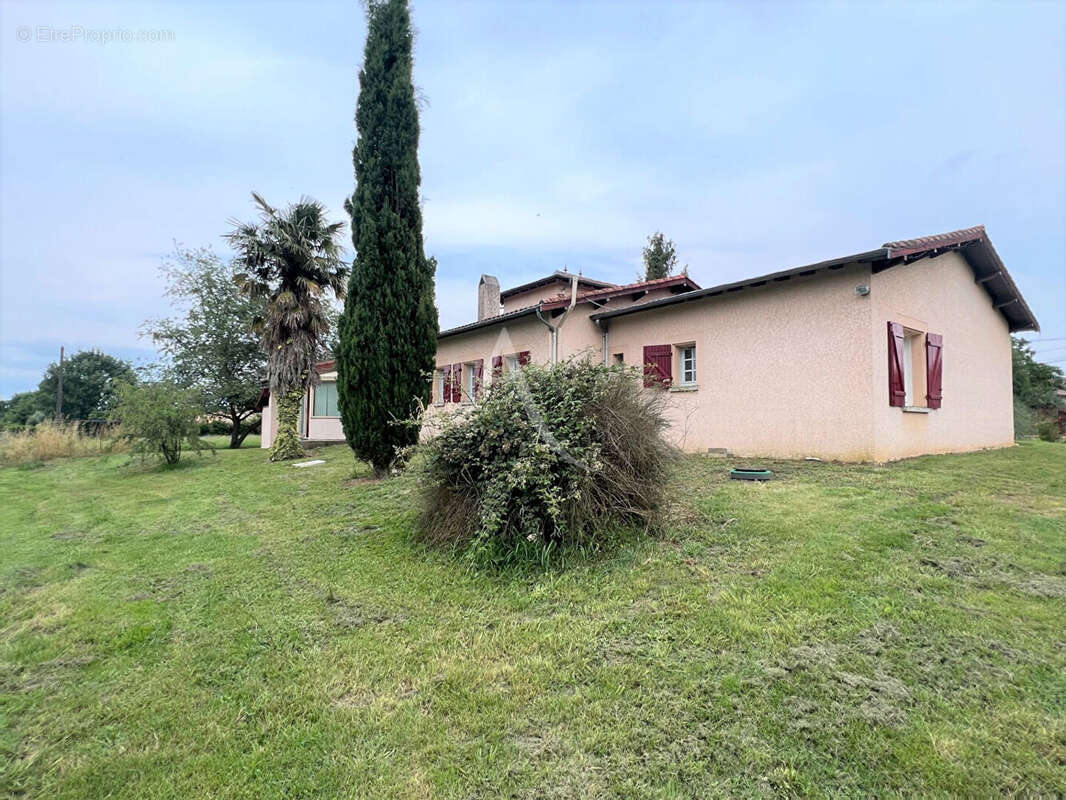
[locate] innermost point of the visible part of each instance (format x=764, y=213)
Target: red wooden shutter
x=897, y=393
x=934, y=368
x=523, y=358
x=479, y=372
x=457, y=383
x=658, y=364
x=497, y=367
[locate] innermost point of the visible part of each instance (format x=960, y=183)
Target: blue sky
x=757, y=135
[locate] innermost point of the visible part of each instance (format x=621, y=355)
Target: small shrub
x=553, y=456
x=1048, y=430
x=159, y=419
x=50, y=440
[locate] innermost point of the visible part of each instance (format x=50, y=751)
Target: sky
x=756, y=135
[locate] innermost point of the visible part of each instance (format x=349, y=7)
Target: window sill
x=693, y=387
x=439, y=405
x=915, y=410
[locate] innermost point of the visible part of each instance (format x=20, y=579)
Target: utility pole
x=59, y=387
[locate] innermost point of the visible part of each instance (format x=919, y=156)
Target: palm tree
x=292, y=259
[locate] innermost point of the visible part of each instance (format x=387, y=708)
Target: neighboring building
x=894, y=352
x=320, y=421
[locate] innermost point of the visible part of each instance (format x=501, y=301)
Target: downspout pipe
x=555, y=328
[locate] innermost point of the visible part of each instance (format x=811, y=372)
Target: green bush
x=159, y=419
x=553, y=456
x=1048, y=430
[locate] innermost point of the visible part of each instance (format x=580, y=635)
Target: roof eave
x=485, y=323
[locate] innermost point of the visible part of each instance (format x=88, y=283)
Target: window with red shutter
x=934, y=368
x=457, y=383
x=447, y=396
x=658, y=364
x=523, y=358
x=897, y=392
x=497, y=367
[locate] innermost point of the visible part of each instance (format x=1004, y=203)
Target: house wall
x=270, y=423
x=533, y=296
x=580, y=335
x=507, y=338
x=782, y=370
x=940, y=295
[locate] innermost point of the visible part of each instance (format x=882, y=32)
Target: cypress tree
x=388, y=332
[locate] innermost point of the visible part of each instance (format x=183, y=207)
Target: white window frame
x=314, y=402
x=511, y=363
x=682, y=351
x=438, y=381
x=469, y=379
x=908, y=369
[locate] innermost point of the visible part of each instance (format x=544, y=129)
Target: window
x=686, y=356
x=908, y=370
x=326, y=400
x=619, y=359
x=511, y=362
x=438, y=385
x=470, y=382
x=915, y=368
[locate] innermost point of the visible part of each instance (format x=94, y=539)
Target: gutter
x=555, y=328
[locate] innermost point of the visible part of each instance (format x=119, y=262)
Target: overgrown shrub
x=159, y=419
x=1048, y=430
x=50, y=440
x=553, y=456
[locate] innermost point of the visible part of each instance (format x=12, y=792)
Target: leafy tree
x=159, y=418
x=389, y=328
x=90, y=379
x=291, y=261
x=660, y=258
x=17, y=411
x=213, y=346
x=1035, y=383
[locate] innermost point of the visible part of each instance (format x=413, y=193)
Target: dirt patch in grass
x=989, y=573
x=69, y=536
x=353, y=482
x=28, y=678
x=859, y=675
x=351, y=615
x=382, y=700
x=163, y=589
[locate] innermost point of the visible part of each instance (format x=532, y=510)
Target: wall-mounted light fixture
x=862, y=290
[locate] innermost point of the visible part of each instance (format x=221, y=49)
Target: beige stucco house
x=894, y=352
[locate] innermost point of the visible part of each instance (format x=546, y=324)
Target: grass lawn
x=251, y=441
x=239, y=629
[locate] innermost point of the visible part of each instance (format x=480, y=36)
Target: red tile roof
x=925, y=243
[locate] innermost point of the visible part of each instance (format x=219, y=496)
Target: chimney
x=488, y=297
